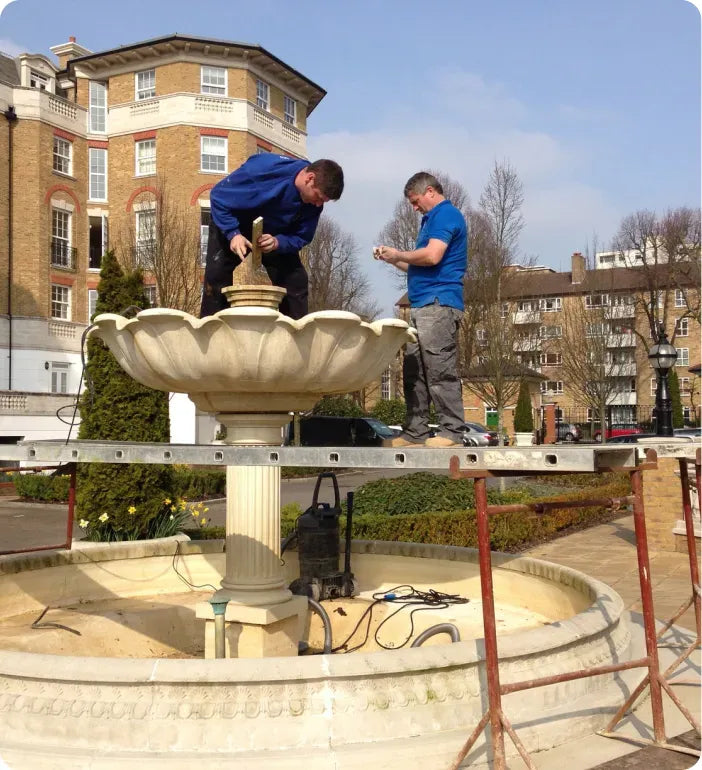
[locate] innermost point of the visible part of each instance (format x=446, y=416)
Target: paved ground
x=606, y=551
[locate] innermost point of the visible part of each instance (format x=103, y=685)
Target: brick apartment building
x=541, y=303
x=85, y=141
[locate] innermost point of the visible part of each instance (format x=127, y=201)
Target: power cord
x=182, y=577
x=406, y=596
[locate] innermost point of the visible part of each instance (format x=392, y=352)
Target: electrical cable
x=407, y=596
x=182, y=577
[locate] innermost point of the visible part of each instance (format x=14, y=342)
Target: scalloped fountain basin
x=408, y=708
x=252, y=359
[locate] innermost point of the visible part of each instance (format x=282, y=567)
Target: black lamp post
x=663, y=356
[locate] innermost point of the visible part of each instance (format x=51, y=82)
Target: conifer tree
x=675, y=400
x=120, y=501
x=523, y=416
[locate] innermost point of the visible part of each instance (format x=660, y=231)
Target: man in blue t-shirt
x=435, y=271
x=289, y=194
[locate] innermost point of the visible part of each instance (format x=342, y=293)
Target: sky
x=595, y=104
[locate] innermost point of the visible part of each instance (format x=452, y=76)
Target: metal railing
x=62, y=254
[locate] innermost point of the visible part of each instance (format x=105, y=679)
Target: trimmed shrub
x=675, y=400
x=337, y=406
x=392, y=411
x=37, y=486
x=523, y=415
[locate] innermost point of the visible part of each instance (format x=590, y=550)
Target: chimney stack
x=577, y=268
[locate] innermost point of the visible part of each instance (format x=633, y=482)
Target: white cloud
x=10, y=47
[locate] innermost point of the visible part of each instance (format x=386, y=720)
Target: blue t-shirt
x=264, y=186
x=442, y=282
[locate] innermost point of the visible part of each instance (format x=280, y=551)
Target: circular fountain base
x=130, y=687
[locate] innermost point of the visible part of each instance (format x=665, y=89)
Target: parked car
x=475, y=434
x=320, y=430
x=684, y=432
x=617, y=429
x=629, y=438
x=568, y=431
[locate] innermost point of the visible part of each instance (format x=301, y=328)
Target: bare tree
x=336, y=279
x=164, y=240
x=501, y=202
x=667, y=252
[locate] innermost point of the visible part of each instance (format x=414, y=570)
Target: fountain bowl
x=252, y=359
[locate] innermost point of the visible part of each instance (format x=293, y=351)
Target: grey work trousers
x=430, y=373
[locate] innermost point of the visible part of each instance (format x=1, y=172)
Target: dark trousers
x=284, y=270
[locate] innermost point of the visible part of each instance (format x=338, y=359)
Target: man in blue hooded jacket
x=289, y=194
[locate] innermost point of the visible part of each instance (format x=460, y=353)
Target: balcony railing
x=143, y=253
x=621, y=340
x=62, y=254
x=527, y=317
x=620, y=311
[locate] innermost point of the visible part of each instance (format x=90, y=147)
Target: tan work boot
x=440, y=441
x=398, y=443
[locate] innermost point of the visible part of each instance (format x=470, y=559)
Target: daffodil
x=167, y=501
x=205, y=509
x=131, y=509
x=173, y=509
x=194, y=513
x=203, y=522
x=83, y=523
x=171, y=517
x=103, y=518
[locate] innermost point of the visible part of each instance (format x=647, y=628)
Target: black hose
x=317, y=607
x=439, y=628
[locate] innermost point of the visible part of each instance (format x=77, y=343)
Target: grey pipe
x=219, y=609
x=439, y=628
x=317, y=607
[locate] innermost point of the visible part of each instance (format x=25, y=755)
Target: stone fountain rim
x=591, y=623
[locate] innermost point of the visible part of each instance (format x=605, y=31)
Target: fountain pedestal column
x=263, y=618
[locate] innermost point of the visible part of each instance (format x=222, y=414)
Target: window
x=37, y=80
x=684, y=384
x=262, y=94
x=550, y=332
x=60, y=302
x=385, y=385
x=145, y=84
x=150, y=294
x=98, y=174
x=550, y=304
x=686, y=415
x=97, y=111
x=683, y=357
x=481, y=337
x=213, y=154
x=289, y=110
x=606, y=259
x=551, y=359
x=62, y=155
x=262, y=150
x=61, y=252
x=213, y=80
x=205, y=219
x=59, y=376
x=654, y=385
x=92, y=303
x=682, y=327
x=595, y=330
x=145, y=237
x=504, y=310
x=552, y=387
x=622, y=300
x=145, y=157
x=527, y=305
x=680, y=298
x=597, y=300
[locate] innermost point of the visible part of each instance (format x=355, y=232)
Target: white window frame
x=263, y=94
x=680, y=298
x=596, y=301
x=145, y=84
x=204, y=235
x=61, y=229
x=92, y=303
x=550, y=304
x=527, y=305
x=151, y=294
x=96, y=173
x=683, y=357
x=289, y=110
x=682, y=327
x=223, y=153
x=58, y=376
x=385, y=382
x=550, y=332
x=63, y=156
x=97, y=107
x=145, y=234
x=684, y=384
x=145, y=157
x=38, y=80
x=654, y=385
x=546, y=388
x=543, y=359
x=60, y=302
x=210, y=81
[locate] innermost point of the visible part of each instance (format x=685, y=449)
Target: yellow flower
x=206, y=509
x=167, y=501
x=173, y=509
x=203, y=522
x=194, y=513
x=103, y=518
x=131, y=509
x=83, y=523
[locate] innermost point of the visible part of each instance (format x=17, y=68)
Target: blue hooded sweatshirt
x=264, y=186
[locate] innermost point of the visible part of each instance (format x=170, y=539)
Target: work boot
x=441, y=441
x=400, y=442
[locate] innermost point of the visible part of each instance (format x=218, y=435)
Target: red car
x=617, y=430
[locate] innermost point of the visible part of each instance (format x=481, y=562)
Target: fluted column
x=254, y=575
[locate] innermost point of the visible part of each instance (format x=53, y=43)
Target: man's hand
x=240, y=245
x=387, y=254
x=268, y=243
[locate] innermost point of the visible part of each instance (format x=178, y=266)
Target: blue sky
x=597, y=104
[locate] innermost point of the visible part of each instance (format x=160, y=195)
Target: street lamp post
x=663, y=356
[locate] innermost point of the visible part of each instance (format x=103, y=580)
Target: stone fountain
x=252, y=366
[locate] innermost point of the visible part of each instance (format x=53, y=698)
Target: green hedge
x=37, y=486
